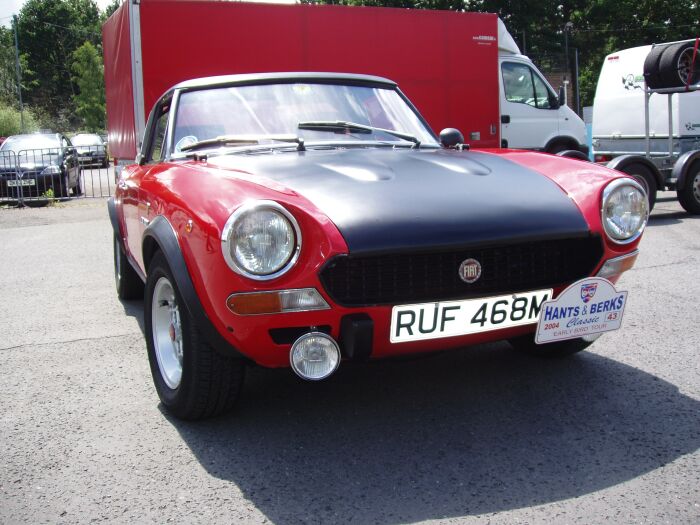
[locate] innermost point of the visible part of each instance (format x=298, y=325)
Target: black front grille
x=400, y=278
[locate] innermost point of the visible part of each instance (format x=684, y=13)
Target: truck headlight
x=261, y=240
x=624, y=210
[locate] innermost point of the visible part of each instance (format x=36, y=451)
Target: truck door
x=528, y=108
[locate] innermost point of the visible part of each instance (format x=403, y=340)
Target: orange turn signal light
x=275, y=302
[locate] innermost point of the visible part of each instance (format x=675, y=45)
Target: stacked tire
x=672, y=66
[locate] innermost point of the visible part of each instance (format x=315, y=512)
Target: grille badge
x=470, y=270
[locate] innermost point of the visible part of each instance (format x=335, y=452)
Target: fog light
x=314, y=356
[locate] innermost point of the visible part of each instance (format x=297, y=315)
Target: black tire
x=210, y=381
x=557, y=147
x=689, y=194
x=128, y=283
x=573, y=154
x=526, y=344
x=651, y=67
x=644, y=176
x=675, y=65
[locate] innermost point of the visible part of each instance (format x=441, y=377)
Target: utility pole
x=567, y=28
x=19, y=77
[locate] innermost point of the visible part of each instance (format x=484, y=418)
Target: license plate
x=84, y=158
x=21, y=182
x=415, y=322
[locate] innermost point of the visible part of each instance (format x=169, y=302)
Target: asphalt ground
x=480, y=435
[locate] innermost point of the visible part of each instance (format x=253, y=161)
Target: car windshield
x=275, y=110
x=86, y=140
x=26, y=142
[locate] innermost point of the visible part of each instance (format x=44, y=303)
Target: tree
x=89, y=77
x=49, y=32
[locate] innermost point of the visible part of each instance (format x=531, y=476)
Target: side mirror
x=562, y=96
x=451, y=137
x=140, y=159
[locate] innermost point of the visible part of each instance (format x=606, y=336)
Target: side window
x=517, y=83
x=541, y=93
x=159, y=136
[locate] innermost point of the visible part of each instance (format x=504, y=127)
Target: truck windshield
x=278, y=109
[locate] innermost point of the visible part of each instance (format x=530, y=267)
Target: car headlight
x=261, y=240
x=625, y=210
x=51, y=170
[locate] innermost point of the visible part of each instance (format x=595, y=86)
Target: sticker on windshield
x=589, y=306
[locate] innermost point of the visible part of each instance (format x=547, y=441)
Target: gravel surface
x=481, y=435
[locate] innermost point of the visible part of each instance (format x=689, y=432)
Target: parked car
x=300, y=219
x=92, y=150
x=33, y=164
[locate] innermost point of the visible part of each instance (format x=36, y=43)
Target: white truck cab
x=532, y=114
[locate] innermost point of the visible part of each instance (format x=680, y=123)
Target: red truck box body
x=445, y=62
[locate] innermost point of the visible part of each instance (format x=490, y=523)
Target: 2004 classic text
x=302, y=219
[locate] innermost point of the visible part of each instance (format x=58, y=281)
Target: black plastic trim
x=286, y=336
x=619, y=163
x=680, y=168
x=161, y=231
x=356, y=334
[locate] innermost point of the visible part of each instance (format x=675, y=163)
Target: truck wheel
x=128, y=283
x=527, y=345
x=689, y=194
x=645, y=177
x=651, y=67
x=676, y=63
x=193, y=380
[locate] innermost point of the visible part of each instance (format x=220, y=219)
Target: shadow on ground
x=470, y=432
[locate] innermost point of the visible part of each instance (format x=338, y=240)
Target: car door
x=137, y=201
x=528, y=116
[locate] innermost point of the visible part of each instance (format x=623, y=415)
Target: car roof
x=31, y=135
x=264, y=78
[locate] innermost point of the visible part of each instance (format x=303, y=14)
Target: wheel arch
x=570, y=143
x=619, y=164
x=160, y=236
x=682, y=166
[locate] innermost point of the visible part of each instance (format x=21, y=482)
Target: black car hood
x=383, y=199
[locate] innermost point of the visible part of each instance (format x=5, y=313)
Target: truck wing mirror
x=562, y=96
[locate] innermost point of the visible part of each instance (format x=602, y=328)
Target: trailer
x=451, y=65
x=646, y=118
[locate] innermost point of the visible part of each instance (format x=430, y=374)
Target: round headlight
x=625, y=210
x=261, y=240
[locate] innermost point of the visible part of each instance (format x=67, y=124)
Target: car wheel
x=557, y=147
x=689, y=194
x=645, y=177
x=129, y=284
x=192, y=379
x=675, y=65
x=651, y=67
x=526, y=344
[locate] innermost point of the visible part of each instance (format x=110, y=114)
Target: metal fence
x=42, y=176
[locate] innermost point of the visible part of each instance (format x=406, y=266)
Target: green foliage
x=10, y=121
x=49, y=32
x=89, y=100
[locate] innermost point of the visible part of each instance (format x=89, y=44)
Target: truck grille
x=401, y=278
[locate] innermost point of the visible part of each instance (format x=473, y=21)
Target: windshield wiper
x=239, y=140
x=337, y=126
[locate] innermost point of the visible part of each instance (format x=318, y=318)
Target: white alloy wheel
x=167, y=332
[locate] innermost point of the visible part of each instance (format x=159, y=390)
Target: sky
x=12, y=7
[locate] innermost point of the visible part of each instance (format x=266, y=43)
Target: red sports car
x=304, y=219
